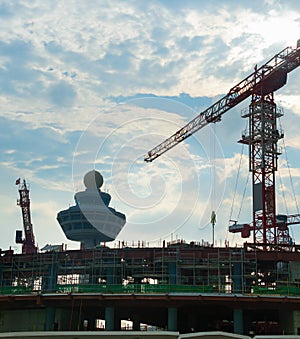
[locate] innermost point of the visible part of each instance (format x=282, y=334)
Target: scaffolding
x=177, y=267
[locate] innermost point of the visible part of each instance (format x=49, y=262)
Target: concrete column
x=286, y=320
x=109, y=319
x=136, y=324
x=238, y=321
x=90, y=321
x=172, y=319
x=49, y=318
x=291, y=325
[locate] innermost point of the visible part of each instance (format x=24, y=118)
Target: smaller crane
x=24, y=202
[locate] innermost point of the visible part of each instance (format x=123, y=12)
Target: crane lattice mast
x=262, y=137
x=24, y=202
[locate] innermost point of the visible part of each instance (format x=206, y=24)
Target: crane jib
x=264, y=80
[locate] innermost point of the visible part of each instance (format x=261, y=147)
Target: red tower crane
x=24, y=202
x=262, y=138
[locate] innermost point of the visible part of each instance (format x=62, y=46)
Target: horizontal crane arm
x=268, y=78
x=281, y=220
x=211, y=114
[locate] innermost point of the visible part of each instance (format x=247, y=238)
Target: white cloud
x=61, y=62
x=10, y=151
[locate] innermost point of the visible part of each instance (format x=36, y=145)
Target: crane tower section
x=262, y=138
x=24, y=202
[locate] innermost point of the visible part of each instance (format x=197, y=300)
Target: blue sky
x=96, y=84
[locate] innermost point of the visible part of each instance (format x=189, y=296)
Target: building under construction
x=185, y=287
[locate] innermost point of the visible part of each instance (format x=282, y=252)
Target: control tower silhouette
x=91, y=221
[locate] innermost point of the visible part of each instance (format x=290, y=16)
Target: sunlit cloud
x=77, y=96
